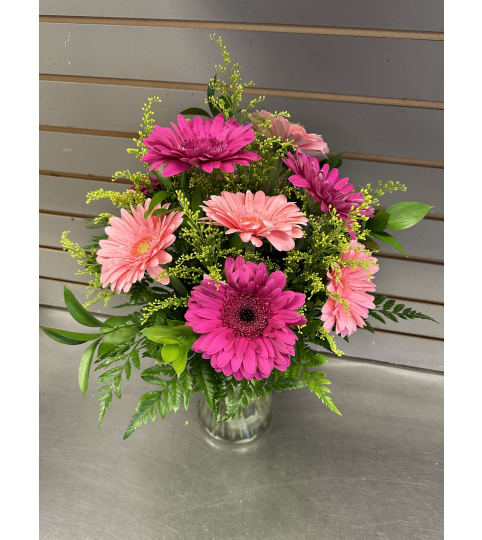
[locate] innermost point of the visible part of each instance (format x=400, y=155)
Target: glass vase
x=245, y=428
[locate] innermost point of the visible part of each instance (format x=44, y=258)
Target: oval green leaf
x=78, y=312
x=84, y=366
x=170, y=352
x=389, y=239
x=160, y=334
x=68, y=338
x=406, y=214
x=195, y=111
x=158, y=197
x=378, y=222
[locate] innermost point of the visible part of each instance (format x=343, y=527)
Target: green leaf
x=335, y=162
x=160, y=334
x=168, y=334
x=117, y=337
x=192, y=111
x=378, y=222
x=84, y=366
x=170, y=352
x=158, y=197
x=78, y=312
x=406, y=214
x=163, y=211
x=68, y=338
x=379, y=299
x=135, y=358
x=179, y=364
x=377, y=316
x=186, y=383
x=145, y=409
x=206, y=382
x=389, y=239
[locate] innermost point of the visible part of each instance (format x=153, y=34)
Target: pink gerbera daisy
x=257, y=216
x=209, y=144
x=352, y=285
x=136, y=245
x=311, y=143
x=325, y=186
x=244, y=322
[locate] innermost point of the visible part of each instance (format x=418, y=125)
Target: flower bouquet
x=242, y=252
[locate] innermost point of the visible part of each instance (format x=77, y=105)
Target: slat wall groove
x=241, y=26
x=346, y=155
x=286, y=94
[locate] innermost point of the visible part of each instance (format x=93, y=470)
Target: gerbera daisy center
x=251, y=222
x=245, y=314
x=141, y=247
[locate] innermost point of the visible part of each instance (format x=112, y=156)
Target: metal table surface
x=375, y=472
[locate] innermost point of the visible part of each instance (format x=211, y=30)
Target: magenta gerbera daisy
x=325, y=186
x=244, y=322
x=208, y=144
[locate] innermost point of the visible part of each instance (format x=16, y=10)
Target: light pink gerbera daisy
x=136, y=245
x=209, y=144
x=352, y=285
x=257, y=216
x=311, y=143
x=244, y=322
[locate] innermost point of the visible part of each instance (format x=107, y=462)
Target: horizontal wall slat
x=385, y=347
x=68, y=195
x=366, y=66
x=85, y=154
x=249, y=91
x=409, y=14
x=357, y=127
x=243, y=26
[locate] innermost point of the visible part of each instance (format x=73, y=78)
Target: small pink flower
x=257, y=216
x=208, y=144
x=352, y=285
x=310, y=143
x=244, y=322
x=136, y=245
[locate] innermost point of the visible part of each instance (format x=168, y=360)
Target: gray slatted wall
x=368, y=76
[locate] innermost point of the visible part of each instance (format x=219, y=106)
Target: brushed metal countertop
x=376, y=472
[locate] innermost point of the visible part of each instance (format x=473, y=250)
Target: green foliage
x=195, y=111
x=388, y=239
x=68, y=338
x=393, y=311
x=84, y=366
x=406, y=214
x=176, y=340
x=79, y=313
